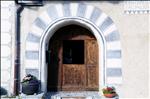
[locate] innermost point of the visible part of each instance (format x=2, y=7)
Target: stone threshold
x=75, y=95
x=64, y=95
x=35, y=96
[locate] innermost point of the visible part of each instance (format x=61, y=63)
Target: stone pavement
x=73, y=95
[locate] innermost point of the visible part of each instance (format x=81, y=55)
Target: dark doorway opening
x=73, y=52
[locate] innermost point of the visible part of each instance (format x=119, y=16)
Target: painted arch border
x=95, y=18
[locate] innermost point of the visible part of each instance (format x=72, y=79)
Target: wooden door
x=54, y=65
x=73, y=67
x=73, y=60
x=83, y=76
x=91, y=56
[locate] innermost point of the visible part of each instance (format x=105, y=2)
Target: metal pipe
x=17, y=51
x=20, y=7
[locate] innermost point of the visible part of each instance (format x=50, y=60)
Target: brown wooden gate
x=73, y=60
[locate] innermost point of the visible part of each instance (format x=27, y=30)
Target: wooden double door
x=73, y=61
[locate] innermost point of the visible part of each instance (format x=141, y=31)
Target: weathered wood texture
x=73, y=77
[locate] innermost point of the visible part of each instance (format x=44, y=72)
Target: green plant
x=30, y=84
x=109, y=90
x=28, y=78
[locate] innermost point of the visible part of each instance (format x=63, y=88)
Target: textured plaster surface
x=134, y=33
x=7, y=46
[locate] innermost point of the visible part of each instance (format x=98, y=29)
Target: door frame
x=52, y=28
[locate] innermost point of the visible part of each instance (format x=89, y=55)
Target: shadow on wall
x=109, y=1
x=3, y=91
x=36, y=8
x=115, y=2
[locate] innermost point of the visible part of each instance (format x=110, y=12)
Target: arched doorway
x=57, y=16
x=72, y=58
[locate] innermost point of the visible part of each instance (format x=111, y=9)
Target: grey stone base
x=35, y=96
x=73, y=95
x=64, y=95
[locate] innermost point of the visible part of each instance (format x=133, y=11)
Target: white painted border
x=52, y=28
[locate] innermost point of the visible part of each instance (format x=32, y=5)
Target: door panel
x=91, y=48
x=73, y=77
x=92, y=78
x=91, y=52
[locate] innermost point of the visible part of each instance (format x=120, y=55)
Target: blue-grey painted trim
x=33, y=38
x=52, y=12
x=32, y=55
x=114, y=72
x=96, y=13
x=113, y=36
x=66, y=9
x=39, y=23
x=108, y=21
x=113, y=53
x=81, y=10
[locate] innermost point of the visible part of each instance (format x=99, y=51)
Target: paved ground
x=72, y=95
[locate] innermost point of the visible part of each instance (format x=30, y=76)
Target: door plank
x=91, y=48
x=91, y=52
x=73, y=77
x=92, y=80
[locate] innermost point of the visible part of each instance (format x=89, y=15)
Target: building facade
x=76, y=46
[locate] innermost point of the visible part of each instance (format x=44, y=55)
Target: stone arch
x=92, y=18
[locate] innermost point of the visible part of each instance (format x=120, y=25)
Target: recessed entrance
x=72, y=59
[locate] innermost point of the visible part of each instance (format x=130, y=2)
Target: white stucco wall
x=133, y=29
x=134, y=33
x=7, y=45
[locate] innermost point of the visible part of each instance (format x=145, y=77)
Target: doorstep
x=65, y=95
x=72, y=95
x=35, y=96
x=75, y=95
